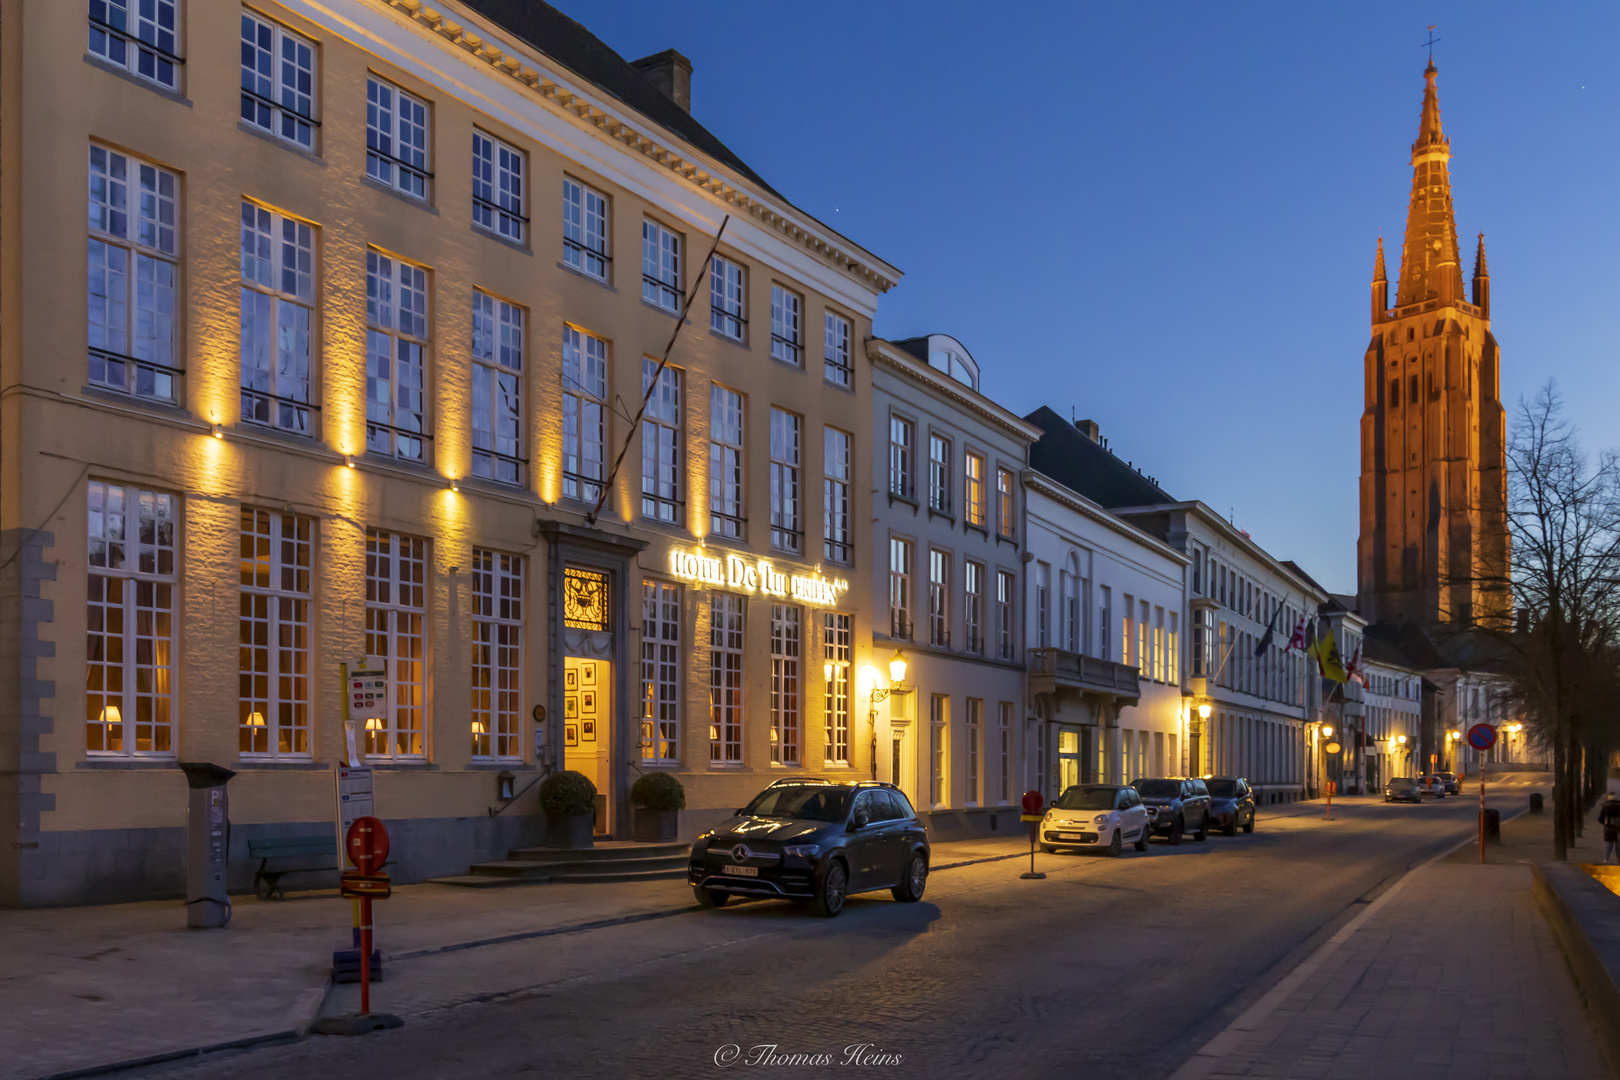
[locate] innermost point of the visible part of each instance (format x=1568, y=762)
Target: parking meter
x=207, y=842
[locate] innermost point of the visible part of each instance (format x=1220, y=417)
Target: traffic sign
x=1482, y=736
x=367, y=844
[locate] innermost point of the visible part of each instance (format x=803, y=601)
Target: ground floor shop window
x=785, y=657
x=725, y=679
x=660, y=672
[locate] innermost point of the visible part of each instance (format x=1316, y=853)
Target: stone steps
x=613, y=861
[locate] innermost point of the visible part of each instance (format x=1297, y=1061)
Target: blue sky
x=1163, y=216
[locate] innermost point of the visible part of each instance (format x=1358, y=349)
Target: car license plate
x=1068, y=836
x=741, y=871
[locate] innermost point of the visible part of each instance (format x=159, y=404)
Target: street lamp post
x=897, y=675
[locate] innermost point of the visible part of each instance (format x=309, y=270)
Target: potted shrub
x=569, y=800
x=658, y=798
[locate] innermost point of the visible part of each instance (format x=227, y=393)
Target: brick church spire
x=1434, y=546
x=1430, y=266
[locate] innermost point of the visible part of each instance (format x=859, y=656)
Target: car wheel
x=1141, y=841
x=1116, y=846
x=911, y=889
x=1176, y=829
x=710, y=898
x=1231, y=827
x=1203, y=830
x=1248, y=826
x=829, y=898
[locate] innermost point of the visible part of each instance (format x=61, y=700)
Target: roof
x=1317, y=585
x=588, y=56
x=1080, y=465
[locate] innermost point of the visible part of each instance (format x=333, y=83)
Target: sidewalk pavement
x=101, y=986
x=1451, y=973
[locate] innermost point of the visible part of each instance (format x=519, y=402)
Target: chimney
x=1090, y=430
x=671, y=73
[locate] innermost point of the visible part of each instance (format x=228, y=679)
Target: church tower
x=1434, y=544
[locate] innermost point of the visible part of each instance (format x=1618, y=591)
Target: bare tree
x=1563, y=516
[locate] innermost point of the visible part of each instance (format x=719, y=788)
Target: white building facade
x=944, y=697
x=1104, y=612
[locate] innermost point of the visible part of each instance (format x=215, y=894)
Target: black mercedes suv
x=816, y=841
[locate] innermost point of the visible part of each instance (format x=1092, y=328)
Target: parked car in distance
x=817, y=841
x=1231, y=803
x=1432, y=785
x=1176, y=805
x=1453, y=785
x=1403, y=789
x=1093, y=816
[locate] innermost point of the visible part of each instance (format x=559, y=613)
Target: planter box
x=570, y=832
x=656, y=826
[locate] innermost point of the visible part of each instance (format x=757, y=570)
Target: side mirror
x=861, y=820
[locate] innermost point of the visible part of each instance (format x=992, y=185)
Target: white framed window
x=585, y=229
x=134, y=276
x=839, y=368
x=726, y=463
x=902, y=444
x=498, y=197
x=1004, y=755
x=396, y=138
x=1105, y=615
x=726, y=292
x=585, y=360
x=660, y=266
x=139, y=36
x=939, y=473
x=396, y=357
x=1172, y=650
x=660, y=673
x=974, y=509
x=396, y=617
x=973, y=730
x=661, y=465
x=837, y=539
x=1157, y=645
x=973, y=606
x=497, y=656
x=787, y=326
x=278, y=319
x=278, y=81
x=835, y=653
x=1043, y=605
x=1069, y=602
x=1127, y=640
x=939, y=593
x=787, y=524
x=725, y=678
x=129, y=621
x=899, y=588
x=497, y=391
x=786, y=642
x=274, y=630
x=1007, y=507
x=1006, y=591
x=939, y=719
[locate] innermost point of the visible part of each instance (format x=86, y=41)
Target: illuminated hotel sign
x=735, y=572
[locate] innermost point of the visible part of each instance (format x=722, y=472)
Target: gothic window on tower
x=1394, y=393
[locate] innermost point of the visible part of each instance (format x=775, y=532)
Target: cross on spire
x=1430, y=44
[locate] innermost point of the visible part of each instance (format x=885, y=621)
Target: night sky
x=1162, y=217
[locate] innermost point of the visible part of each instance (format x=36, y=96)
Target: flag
x=1327, y=659
x=1354, y=670
x=1265, y=639
x=1298, y=640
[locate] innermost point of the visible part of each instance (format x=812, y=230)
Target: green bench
x=303, y=847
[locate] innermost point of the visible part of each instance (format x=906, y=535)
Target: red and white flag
x=1298, y=640
x=1354, y=670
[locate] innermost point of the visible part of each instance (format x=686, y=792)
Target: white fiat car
x=1106, y=816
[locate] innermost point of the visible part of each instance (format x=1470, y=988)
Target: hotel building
x=336, y=333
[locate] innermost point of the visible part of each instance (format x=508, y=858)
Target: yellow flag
x=1327, y=655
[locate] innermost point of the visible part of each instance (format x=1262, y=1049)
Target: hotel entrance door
x=588, y=726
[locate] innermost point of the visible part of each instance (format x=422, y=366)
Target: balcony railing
x=1054, y=671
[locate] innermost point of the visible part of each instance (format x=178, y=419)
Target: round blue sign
x=1482, y=736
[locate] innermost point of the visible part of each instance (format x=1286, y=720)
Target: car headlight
x=1102, y=819
x=802, y=851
